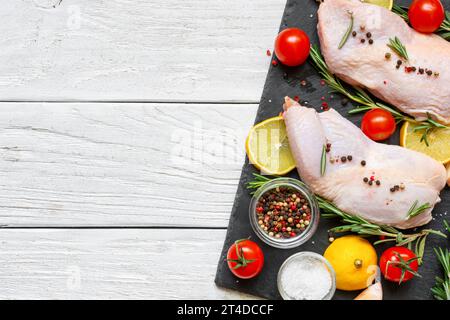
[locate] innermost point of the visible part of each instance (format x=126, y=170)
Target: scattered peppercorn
x=274, y=63
x=354, y=33
x=378, y=182
x=363, y=163
x=387, y=55
x=363, y=40
x=343, y=159
x=399, y=62
x=370, y=182
x=362, y=27
x=429, y=72
x=421, y=71
x=285, y=76
x=366, y=179
x=349, y=158
x=369, y=35
x=370, y=41
x=392, y=189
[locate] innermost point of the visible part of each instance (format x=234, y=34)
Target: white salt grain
x=306, y=278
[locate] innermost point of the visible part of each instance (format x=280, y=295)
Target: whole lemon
x=354, y=260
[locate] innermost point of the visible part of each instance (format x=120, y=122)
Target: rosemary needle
x=323, y=161
x=347, y=33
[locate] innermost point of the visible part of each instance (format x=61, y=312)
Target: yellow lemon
x=388, y=4
x=438, y=141
x=354, y=260
x=268, y=149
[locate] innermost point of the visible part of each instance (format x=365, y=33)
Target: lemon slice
x=438, y=141
x=268, y=148
x=388, y=4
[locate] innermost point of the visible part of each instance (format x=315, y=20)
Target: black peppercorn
x=363, y=40
x=378, y=182
x=370, y=41
x=429, y=72
x=368, y=35
x=392, y=189
x=399, y=62
x=370, y=182
x=349, y=158
x=366, y=179
x=363, y=163
x=421, y=71
x=344, y=159
x=354, y=33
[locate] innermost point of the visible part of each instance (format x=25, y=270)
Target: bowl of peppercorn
x=284, y=213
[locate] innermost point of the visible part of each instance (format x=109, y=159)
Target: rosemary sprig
x=347, y=33
x=427, y=128
x=443, y=31
x=397, y=46
x=323, y=161
x=441, y=289
x=361, y=97
x=414, y=211
x=257, y=182
x=361, y=226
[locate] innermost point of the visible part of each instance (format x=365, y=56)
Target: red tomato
x=245, y=259
x=426, y=15
x=398, y=264
x=292, y=47
x=378, y=124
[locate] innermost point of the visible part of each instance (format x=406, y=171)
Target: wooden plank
x=111, y=264
x=113, y=164
x=135, y=50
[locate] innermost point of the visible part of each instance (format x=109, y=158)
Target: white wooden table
x=122, y=127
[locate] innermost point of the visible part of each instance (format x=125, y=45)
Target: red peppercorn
x=268, y=53
x=277, y=207
x=297, y=98
x=372, y=178
x=322, y=82
x=274, y=63
x=293, y=234
x=293, y=207
x=283, y=229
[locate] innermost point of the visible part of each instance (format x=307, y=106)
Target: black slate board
x=302, y=14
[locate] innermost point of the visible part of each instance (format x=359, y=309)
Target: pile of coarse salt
x=306, y=278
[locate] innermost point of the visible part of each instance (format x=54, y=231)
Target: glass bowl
x=285, y=243
x=307, y=255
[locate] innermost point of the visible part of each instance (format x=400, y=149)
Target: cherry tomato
x=398, y=264
x=245, y=259
x=292, y=47
x=426, y=15
x=378, y=124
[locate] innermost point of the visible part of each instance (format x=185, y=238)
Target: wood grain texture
x=103, y=164
x=110, y=264
x=135, y=50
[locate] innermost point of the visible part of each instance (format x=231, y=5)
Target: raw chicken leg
x=420, y=91
x=418, y=176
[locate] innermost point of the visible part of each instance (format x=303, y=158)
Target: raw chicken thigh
x=354, y=157
x=419, y=87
